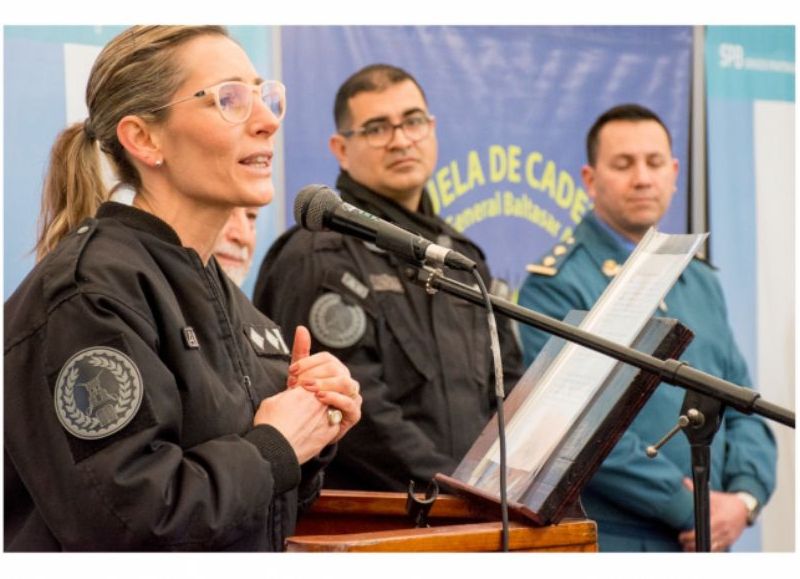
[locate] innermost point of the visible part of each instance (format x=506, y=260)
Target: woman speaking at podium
x=148, y=405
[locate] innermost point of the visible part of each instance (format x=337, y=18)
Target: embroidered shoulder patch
x=98, y=392
x=336, y=324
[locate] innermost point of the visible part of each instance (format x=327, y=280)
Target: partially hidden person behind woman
x=148, y=405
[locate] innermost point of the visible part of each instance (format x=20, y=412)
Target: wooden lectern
x=359, y=521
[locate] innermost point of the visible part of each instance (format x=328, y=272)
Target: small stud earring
x=159, y=162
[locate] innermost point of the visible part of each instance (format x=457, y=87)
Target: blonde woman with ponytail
x=148, y=405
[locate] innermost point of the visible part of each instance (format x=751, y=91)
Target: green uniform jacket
x=641, y=503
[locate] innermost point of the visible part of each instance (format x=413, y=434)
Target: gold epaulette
x=540, y=269
x=552, y=261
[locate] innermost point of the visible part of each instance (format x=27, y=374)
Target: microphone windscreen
x=311, y=204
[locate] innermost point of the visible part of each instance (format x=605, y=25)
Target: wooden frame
x=358, y=521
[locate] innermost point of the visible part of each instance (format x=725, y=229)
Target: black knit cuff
x=274, y=447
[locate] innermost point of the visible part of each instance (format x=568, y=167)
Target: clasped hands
x=316, y=384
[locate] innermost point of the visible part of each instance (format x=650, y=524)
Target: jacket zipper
x=247, y=384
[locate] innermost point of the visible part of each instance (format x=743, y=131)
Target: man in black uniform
x=423, y=361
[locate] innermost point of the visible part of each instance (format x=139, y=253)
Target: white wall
x=773, y=129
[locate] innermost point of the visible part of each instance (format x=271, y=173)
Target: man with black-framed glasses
x=423, y=361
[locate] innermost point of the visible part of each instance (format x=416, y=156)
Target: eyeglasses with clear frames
x=234, y=99
x=378, y=134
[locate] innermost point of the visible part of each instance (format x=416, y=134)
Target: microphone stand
x=699, y=428
x=701, y=434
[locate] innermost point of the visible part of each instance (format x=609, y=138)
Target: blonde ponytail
x=73, y=188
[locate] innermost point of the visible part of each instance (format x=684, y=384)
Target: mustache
x=232, y=249
x=237, y=273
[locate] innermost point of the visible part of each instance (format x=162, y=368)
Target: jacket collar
x=601, y=245
x=598, y=243
x=138, y=219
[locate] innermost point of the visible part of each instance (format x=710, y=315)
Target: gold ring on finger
x=334, y=416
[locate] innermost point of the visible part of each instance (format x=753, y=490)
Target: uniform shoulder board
x=278, y=245
x=81, y=236
x=62, y=263
x=326, y=240
x=553, y=259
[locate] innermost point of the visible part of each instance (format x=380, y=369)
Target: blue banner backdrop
x=750, y=96
x=512, y=104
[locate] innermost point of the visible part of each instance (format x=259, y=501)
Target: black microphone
x=318, y=208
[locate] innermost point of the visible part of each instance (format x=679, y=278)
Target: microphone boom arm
x=672, y=371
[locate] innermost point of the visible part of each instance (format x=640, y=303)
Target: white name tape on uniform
x=98, y=392
x=336, y=324
x=354, y=285
x=384, y=282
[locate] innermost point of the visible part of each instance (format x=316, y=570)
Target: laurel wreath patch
x=335, y=323
x=97, y=393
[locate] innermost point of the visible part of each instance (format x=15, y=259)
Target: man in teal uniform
x=643, y=504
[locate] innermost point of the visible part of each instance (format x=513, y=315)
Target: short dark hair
x=625, y=112
x=372, y=78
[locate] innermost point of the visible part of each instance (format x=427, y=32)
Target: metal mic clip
x=692, y=417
